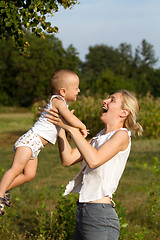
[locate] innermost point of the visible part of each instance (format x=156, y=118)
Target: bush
x=57, y=225
x=153, y=203
x=64, y=217
x=88, y=110
x=150, y=116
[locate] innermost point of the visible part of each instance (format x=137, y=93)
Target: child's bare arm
x=67, y=114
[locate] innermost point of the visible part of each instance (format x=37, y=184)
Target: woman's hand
x=57, y=119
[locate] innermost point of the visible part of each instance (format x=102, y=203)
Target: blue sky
x=109, y=22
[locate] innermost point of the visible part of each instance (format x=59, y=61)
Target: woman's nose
x=105, y=101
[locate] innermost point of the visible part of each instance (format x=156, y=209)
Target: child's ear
x=125, y=113
x=62, y=92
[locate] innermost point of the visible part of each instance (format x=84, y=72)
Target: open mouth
x=104, y=110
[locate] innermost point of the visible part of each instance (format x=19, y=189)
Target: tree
x=26, y=80
x=20, y=15
x=108, y=82
x=125, y=60
x=71, y=58
x=128, y=70
x=143, y=62
x=145, y=55
x=153, y=79
x=101, y=57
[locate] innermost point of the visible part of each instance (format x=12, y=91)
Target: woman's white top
x=94, y=184
x=43, y=127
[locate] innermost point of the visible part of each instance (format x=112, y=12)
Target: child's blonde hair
x=130, y=103
x=58, y=79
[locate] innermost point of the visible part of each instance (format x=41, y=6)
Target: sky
x=109, y=22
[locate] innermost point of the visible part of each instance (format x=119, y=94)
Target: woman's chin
x=101, y=118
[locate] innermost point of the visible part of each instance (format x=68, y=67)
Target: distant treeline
x=25, y=80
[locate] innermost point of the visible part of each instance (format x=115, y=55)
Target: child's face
x=72, y=88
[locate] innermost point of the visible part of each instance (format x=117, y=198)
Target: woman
x=104, y=159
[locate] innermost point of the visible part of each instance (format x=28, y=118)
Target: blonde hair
x=130, y=103
x=59, y=79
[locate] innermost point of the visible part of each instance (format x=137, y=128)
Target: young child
x=65, y=87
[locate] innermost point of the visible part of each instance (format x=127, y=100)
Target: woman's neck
x=111, y=128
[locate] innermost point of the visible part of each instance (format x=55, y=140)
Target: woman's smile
x=104, y=110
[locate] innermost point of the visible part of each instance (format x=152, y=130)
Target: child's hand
x=84, y=132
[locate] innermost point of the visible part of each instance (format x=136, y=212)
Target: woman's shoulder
x=124, y=131
x=123, y=136
x=122, y=139
x=121, y=133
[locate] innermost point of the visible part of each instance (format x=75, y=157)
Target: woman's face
x=112, y=107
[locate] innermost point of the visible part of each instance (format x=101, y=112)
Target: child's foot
x=7, y=199
x=2, y=204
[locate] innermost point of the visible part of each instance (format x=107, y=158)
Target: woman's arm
x=95, y=158
x=118, y=142
x=68, y=155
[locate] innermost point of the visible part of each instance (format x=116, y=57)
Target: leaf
x=8, y=24
x=2, y=4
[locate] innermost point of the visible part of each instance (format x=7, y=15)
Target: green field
x=136, y=195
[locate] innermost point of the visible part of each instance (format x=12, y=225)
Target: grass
x=44, y=190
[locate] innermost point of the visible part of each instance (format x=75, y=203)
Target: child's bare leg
x=22, y=156
x=28, y=174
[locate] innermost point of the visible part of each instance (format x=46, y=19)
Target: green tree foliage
x=99, y=58
x=18, y=15
x=154, y=80
x=26, y=80
x=144, y=55
x=106, y=69
x=108, y=82
x=125, y=59
x=144, y=74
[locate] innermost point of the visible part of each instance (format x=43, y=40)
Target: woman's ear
x=62, y=92
x=125, y=113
